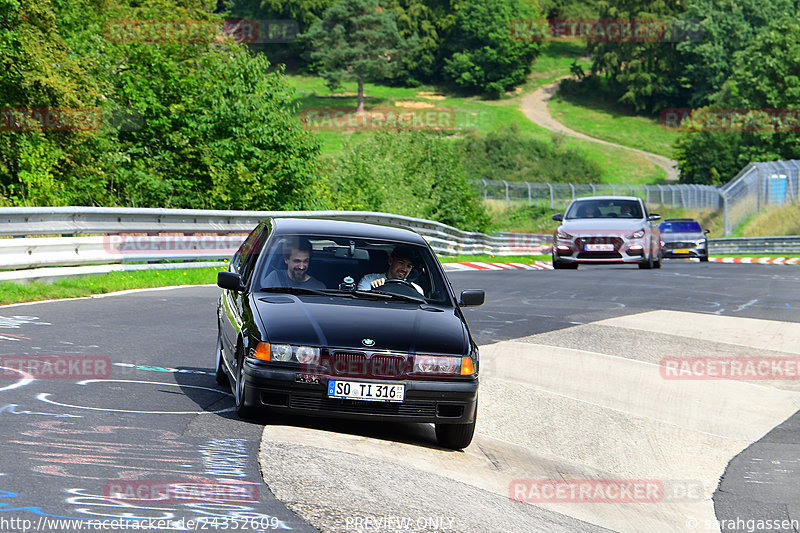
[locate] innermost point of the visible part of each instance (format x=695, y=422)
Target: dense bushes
x=507, y=154
x=408, y=173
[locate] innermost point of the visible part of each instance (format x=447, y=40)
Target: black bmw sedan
x=350, y=320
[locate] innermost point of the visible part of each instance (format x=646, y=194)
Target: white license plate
x=375, y=392
x=599, y=248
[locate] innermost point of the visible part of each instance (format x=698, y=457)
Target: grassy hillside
x=618, y=166
x=612, y=122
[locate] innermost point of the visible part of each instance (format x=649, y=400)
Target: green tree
x=38, y=73
x=356, y=40
x=765, y=76
x=479, y=52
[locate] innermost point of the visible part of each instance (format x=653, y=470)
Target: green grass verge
x=80, y=286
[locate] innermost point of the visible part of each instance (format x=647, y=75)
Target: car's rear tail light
x=262, y=351
x=467, y=368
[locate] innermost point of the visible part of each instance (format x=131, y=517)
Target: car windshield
x=331, y=265
x=605, y=209
x=680, y=227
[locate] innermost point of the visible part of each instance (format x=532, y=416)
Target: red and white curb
x=542, y=265
x=536, y=265
x=757, y=260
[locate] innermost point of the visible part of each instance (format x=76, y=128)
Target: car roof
x=608, y=198
x=342, y=228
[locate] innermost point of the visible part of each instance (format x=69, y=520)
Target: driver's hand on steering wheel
x=377, y=283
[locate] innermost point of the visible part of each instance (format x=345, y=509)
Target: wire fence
x=559, y=195
x=759, y=185
x=756, y=186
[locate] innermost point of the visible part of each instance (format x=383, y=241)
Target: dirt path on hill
x=534, y=106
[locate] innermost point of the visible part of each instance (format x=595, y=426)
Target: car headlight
x=287, y=353
x=281, y=352
x=561, y=234
x=436, y=364
x=636, y=235
x=307, y=355
x=700, y=242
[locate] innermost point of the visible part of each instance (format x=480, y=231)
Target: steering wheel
x=400, y=286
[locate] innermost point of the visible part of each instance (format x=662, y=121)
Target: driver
x=400, y=265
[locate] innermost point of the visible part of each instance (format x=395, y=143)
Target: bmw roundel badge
x=368, y=342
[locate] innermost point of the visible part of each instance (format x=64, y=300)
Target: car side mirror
x=472, y=298
x=706, y=231
x=654, y=216
x=558, y=217
x=230, y=280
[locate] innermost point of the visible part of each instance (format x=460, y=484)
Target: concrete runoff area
x=586, y=405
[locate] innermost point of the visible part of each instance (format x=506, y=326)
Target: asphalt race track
x=573, y=388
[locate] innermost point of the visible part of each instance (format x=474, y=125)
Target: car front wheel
x=243, y=408
x=221, y=376
x=456, y=436
x=561, y=265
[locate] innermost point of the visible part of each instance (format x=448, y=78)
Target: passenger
x=400, y=265
x=297, y=255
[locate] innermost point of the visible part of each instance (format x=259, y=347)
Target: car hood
x=593, y=225
x=343, y=323
x=682, y=237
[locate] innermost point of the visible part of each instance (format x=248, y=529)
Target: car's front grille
x=673, y=245
x=317, y=403
x=361, y=364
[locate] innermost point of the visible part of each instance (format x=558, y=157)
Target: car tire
x=657, y=263
x=704, y=259
x=221, y=376
x=240, y=393
x=456, y=436
x=647, y=265
x=563, y=265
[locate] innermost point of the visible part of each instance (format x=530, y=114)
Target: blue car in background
x=684, y=237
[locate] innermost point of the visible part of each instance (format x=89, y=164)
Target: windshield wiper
x=418, y=300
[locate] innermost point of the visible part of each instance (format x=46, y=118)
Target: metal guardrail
x=107, y=236
x=755, y=245
x=93, y=240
